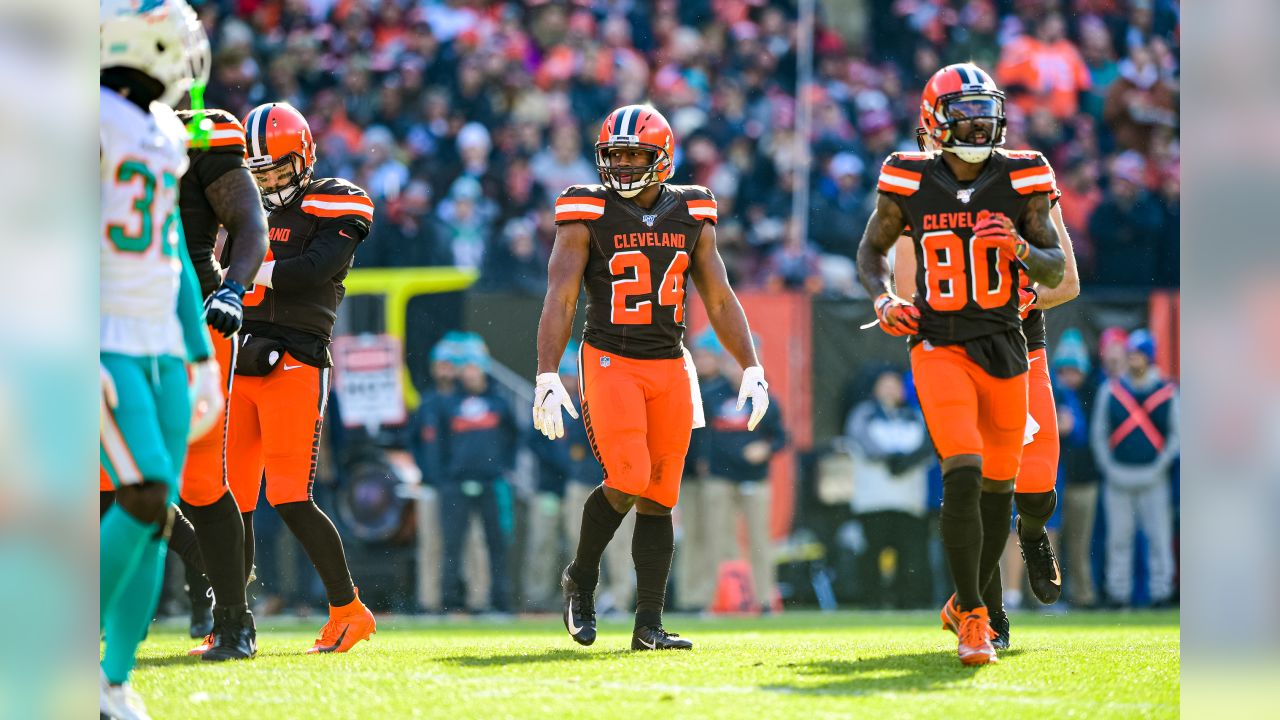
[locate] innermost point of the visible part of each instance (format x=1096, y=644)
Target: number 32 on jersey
x=632, y=268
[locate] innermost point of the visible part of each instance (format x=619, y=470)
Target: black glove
x=224, y=309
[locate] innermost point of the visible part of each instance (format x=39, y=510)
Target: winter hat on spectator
x=1071, y=352
x=1110, y=336
x=1130, y=166
x=450, y=347
x=846, y=163
x=474, y=351
x=465, y=188
x=473, y=134
x=1141, y=341
x=708, y=340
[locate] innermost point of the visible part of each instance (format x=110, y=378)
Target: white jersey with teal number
x=143, y=155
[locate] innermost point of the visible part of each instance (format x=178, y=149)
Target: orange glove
x=998, y=229
x=1027, y=298
x=897, y=316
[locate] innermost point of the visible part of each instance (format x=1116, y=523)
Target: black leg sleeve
x=599, y=523
x=320, y=539
x=961, y=525
x=220, y=530
x=652, y=547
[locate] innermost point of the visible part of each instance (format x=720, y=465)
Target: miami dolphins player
x=152, y=326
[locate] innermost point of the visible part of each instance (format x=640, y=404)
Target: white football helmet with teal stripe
x=161, y=38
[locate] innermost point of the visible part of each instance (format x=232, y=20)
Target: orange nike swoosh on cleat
x=1057, y=575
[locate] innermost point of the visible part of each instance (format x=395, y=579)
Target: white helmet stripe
x=621, y=127
x=255, y=128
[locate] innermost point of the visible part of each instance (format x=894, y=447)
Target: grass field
x=798, y=665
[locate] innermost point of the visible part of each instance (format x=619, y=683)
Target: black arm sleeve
x=206, y=167
x=329, y=253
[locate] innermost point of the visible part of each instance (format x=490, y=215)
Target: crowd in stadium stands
x=463, y=119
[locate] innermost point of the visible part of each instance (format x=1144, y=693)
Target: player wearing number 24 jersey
x=634, y=242
x=977, y=214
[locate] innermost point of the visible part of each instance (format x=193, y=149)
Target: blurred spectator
x=892, y=452
x=1135, y=441
x=1044, y=70
x=1079, y=473
x=406, y=236
x=562, y=164
x=1140, y=102
x=465, y=223
x=795, y=265
x=1113, y=350
x=476, y=442
x=738, y=482
x=516, y=265
x=1127, y=228
x=840, y=206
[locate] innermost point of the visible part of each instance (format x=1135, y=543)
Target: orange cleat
x=347, y=626
x=975, y=635
x=203, y=647
x=951, y=616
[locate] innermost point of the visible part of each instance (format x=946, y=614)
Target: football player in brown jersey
x=218, y=191
x=976, y=216
x=1035, y=496
x=283, y=364
x=634, y=241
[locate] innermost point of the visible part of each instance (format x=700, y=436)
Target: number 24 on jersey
x=632, y=268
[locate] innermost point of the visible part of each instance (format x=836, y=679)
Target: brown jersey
x=966, y=291
x=313, y=241
x=638, y=268
x=222, y=152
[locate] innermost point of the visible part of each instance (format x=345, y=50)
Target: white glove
x=206, y=398
x=754, y=387
x=265, y=271
x=548, y=398
x=109, y=397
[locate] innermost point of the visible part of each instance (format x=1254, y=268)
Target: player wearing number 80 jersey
x=634, y=242
x=976, y=215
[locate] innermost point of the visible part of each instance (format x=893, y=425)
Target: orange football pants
x=1039, y=470
x=638, y=415
x=275, y=427
x=968, y=411
x=204, y=478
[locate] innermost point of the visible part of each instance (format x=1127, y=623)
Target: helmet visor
x=974, y=119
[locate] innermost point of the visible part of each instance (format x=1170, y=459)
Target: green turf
x=801, y=665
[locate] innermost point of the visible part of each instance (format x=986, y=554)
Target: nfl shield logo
x=964, y=195
x=604, y=361
x=648, y=219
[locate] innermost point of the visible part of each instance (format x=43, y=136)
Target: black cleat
x=579, y=610
x=234, y=636
x=1000, y=624
x=654, y=637
x=1042, y=567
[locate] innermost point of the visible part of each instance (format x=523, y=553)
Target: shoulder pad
x=700, y=201
x=580, y=203
x=226, y=134
x=335, y=198
x=902, y=172
x=1030, y=172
